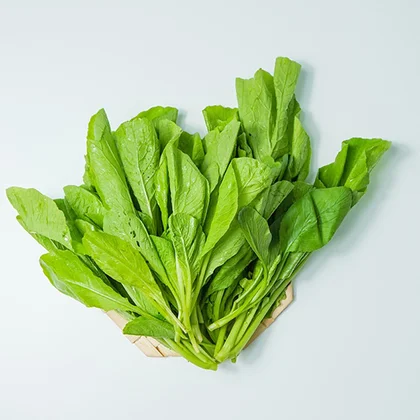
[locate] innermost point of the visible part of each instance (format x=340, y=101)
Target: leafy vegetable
x=195, y=240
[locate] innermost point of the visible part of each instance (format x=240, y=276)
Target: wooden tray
x=152, y=348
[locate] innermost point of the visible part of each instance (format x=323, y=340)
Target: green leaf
x=85, y=204
x=252, y=178
x=192, y=145
x=219, y=148
x=218, y=116
x=131, y=229
x=189, y=189
x=353, y=165
x=149, y=328
x=73, y=278
x=222, y=211
x=231, y=270
x=286, y=74
x=257, y=111
x=257, y=233
x=40, y=215
x=300, y=153
x=243, y=147
x=121, y=261
x=162, y=191
x=105, y=166
x=276, y=194
x=311, y=222
x=168, y=133
x=139, y=149
x=187, y=238
x=159, y=113
x=166, y=255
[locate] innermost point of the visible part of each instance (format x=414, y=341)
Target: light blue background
x=348, y=347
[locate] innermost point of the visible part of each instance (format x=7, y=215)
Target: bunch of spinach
x=193, y=240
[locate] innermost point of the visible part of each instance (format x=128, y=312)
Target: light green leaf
x=353, y=165
x=218, y=116
x=120, y=260
x=286, y=74
x=252, y=178
x=168, y=133
x=189, y=189
x=162, y=191
x=219, y=148
x=130, y=228
x=192, y=145
x=105, y=166
x=257, y=111
x=40, y=215
x=257, y=233
x=85, y=204
x=159, y=113
x=300, y=153
x=311, y=222
x=73, y=278
x=223, y=209
x=149, y=328
x=139, y=150
x=276, y=194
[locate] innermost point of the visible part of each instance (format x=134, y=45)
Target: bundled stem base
x=152, y=348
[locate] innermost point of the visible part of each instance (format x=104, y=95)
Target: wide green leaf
x=286, y=74
x=139, y=149
x=219, y=148
x=311, y=222
x=73, y=278
x=188, y=188
x=149, y=328
x=40, y=215
x=105, y=165
x=257, y=111
x=218, y=116
x=120, y=260
x=353, y=165
x=85, y=204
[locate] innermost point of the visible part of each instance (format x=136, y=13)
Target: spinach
x=195, y=240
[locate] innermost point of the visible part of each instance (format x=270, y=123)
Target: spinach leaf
x=139, y=149
x=40, y=215
x=353, y=165
x=257, y=233
x=257, y=111
x=188, y=188
x=106, y=171
x=121, y=261
x=192, y=146
x=219, y=148
x=159, y=113
x=72, y=277
x=85, y=204
x=286, y=74
x=223, y=209
x=311, y=222
x=218, y=116
x=149, y=328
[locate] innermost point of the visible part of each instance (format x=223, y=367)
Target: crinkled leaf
x=217, y=116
